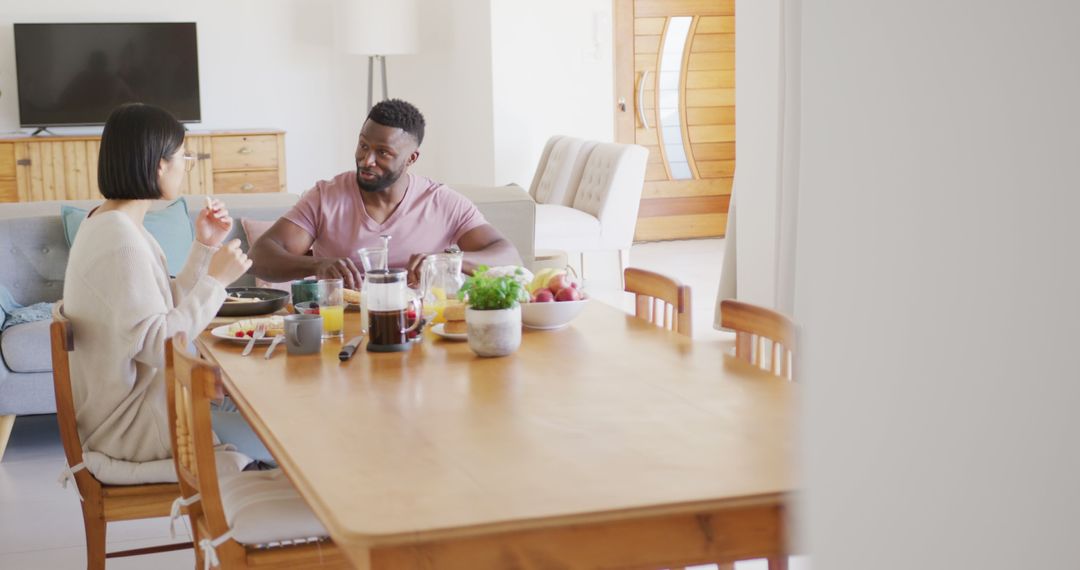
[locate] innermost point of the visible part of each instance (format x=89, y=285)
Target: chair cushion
x=600, y=174
x=562, y=174
x=171, y=226
x=119, y=472
x=26, y=347
x=561, y=227
x=263, y=507
x=540, y=166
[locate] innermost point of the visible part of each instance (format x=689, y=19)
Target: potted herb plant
x=492, y=312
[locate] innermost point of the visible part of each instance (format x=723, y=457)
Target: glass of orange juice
x=332, y=307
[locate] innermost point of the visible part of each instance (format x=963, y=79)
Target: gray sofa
x=34, y=256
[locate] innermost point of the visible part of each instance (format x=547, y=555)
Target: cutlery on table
x=350, y=347
x=273, y=344
x=260, y=331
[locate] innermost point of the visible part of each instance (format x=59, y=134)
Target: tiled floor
x=696, y=263
x=41, y=524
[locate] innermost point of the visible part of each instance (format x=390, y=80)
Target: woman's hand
x=213, y=223
x=229, y=263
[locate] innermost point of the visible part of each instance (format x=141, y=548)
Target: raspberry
x=250, y=333
x=239, y=334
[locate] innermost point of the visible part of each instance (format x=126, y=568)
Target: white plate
x=438, y=329
x=222, y=332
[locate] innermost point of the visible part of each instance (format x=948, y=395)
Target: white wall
x=448, y=79
x=552, y=75
x=937, y=283
x=757, y=114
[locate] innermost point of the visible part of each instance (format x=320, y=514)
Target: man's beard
x=379, y=184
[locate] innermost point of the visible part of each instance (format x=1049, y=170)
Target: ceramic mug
x=303, y=334
x=304, y=290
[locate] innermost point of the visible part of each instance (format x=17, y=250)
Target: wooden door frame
x=623, y=58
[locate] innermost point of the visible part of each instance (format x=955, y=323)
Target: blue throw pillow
x=171, y=226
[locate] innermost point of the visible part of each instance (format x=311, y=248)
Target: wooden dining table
x=609, y=443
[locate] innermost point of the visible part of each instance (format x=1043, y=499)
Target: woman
x=118, y=294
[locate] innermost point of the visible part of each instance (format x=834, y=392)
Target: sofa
x=35, y=251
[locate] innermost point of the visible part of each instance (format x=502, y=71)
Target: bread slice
x=455, y=327
x=454, y=311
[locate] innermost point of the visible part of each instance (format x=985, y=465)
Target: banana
x=542, y=277
x=539, y=279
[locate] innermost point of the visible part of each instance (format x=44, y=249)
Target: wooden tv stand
x=65, y=167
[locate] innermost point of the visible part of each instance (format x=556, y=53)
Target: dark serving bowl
x=270, y=301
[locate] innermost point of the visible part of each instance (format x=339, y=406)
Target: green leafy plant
x=489, y=293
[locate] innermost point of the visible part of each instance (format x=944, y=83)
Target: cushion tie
x=209, y=548
x=174, y=512
x=68, y=474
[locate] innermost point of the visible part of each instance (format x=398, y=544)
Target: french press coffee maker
x=388, y=300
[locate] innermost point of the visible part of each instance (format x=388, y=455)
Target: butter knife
x=273, y=344
x=350, y=347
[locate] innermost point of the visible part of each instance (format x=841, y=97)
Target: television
x=76, y=74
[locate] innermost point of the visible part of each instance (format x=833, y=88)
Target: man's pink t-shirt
x=429, y=219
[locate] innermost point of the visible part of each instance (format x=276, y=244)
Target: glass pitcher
x=373, y=258
x=440, y=279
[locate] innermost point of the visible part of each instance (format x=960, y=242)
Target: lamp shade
x=386, y=27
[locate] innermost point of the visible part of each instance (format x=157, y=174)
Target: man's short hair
x=135, y=140
x=399, y=114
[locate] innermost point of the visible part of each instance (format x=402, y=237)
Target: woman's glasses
x=189, y=161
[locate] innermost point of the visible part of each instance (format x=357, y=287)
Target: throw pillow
x=171, y=226
x=254, y=229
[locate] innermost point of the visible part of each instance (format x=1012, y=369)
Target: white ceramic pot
x=494, y=333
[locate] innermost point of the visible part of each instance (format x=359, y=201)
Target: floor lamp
x=378, y=29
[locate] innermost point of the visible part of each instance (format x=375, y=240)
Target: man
x=350, y=211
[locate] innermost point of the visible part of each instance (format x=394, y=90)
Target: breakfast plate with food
x=243, y=330
x=351, y=298
x=440, y=330
x=453, y=327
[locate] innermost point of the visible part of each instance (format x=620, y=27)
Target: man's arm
x=485, y=245
x=482, y=245
x=279, y=255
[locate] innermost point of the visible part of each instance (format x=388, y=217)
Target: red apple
x=568, y=294
x=559, y=282
x=544, y=296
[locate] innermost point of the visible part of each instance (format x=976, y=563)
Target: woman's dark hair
x=135, y=140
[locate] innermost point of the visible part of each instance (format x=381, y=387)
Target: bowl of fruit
x=555, y=298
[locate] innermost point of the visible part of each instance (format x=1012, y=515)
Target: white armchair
x=587, y=196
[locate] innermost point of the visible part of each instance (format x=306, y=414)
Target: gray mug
x=303, y=334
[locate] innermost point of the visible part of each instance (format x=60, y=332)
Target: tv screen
x=75, y=74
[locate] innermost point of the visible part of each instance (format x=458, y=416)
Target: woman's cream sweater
x=123, y=307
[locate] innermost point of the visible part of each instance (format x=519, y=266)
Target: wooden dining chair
x=766, y=339
x=659, y=299
x=250, y=519
x=101, y=503
x=753, y=326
